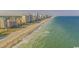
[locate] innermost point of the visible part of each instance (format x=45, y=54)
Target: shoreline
x=16, y=37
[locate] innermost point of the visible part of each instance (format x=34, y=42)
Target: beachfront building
x=30, y=19
x=11, y=21
x=40, y=17
x=2, y=22
x=24, y=20
x=18, y=21
x=37, y=17
x=45, y=16
x=8, y=21
x=33, y=18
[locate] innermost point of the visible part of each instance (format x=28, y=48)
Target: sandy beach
x=17, y=36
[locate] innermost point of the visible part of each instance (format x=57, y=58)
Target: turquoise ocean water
x=59, y=32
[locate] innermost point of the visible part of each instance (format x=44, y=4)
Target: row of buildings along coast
x=17, y=21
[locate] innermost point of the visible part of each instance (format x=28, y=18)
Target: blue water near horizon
x=59, y=32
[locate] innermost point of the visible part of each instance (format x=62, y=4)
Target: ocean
x=59, y=32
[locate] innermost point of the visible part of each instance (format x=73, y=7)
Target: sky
x=48, y=12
